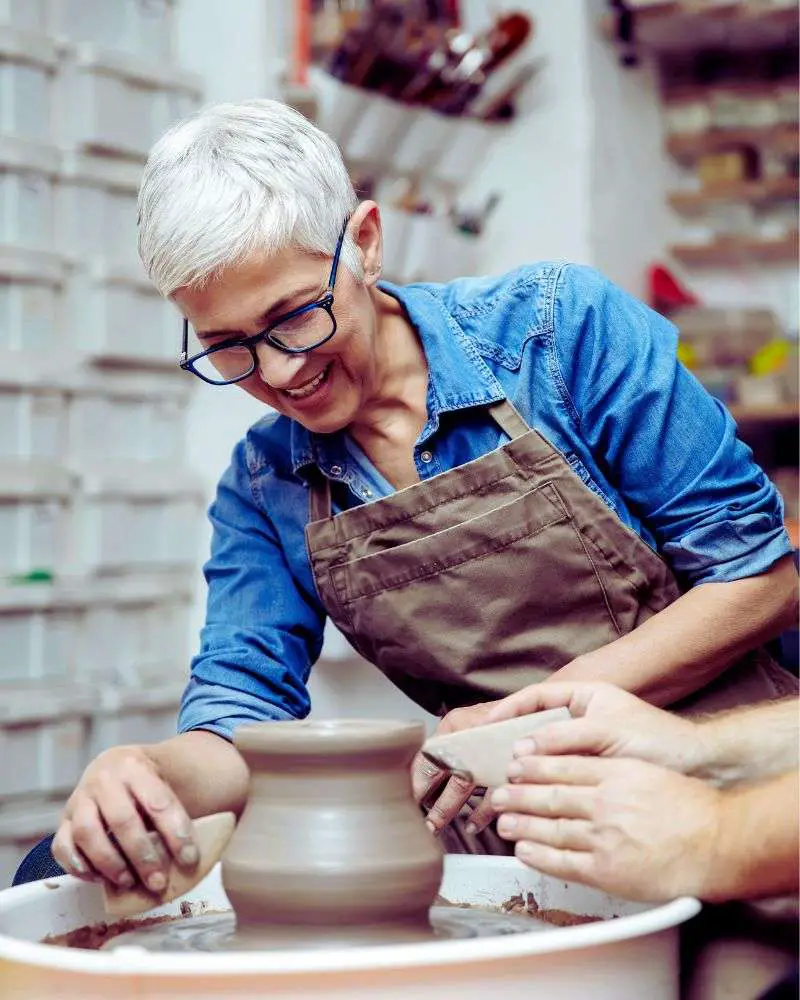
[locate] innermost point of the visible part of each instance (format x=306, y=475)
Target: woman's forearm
x=756, y=854
x=685, y=646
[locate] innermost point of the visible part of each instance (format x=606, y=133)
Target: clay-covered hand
x=627, y=827
x=607, y=722
x=453, y=791
x=118, y=797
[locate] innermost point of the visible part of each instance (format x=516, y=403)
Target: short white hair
x=237, y=178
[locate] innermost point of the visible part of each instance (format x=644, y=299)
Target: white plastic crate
x=25, y=15
x=136, y=521
x=95, y=209
x=34, y=508
x=22, y=826
x=43, y=740
x=138, y=636
x=26, y=193
x=146, y=716
x=144, y=28
x=117, y=103
x=119, y=317
x=33, y=410
x=32, y=300
x=27, y=66
x=131, y=417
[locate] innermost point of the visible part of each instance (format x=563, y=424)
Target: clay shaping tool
x=482, y=754
x=211, y=835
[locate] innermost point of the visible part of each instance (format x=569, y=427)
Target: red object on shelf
x=666, y=293
x=301, y=43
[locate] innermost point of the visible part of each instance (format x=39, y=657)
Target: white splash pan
x=628, y=958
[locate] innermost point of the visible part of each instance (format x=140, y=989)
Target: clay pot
x=331, y=836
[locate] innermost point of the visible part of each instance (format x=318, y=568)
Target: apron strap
x=319, y=501
x=508, y=419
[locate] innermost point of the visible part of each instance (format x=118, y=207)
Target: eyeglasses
x=296, y=332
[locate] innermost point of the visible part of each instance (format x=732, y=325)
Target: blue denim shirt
x=586, y=364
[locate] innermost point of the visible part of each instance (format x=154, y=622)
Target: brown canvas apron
x=479, y=581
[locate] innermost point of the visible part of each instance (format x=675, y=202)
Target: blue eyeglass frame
x=324, y=302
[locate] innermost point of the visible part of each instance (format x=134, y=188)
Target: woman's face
x=325, y=388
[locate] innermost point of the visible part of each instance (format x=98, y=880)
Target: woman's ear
x=365, y=229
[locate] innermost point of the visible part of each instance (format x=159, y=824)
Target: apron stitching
x=394, y=584
x=599, y=579
x=519, y=469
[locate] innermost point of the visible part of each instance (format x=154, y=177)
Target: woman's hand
x=607, y=722
x=624, y=826
x=453, y=791
x=122, y=796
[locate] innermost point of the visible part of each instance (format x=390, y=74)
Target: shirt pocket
x=584, y=475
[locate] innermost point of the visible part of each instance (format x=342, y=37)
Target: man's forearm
x=685, y=646
x=205, y=771
x=750, y=743
x=756, y=854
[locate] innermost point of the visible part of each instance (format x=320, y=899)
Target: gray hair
x=237, y=178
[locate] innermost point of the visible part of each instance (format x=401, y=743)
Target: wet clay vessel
x=331, y=842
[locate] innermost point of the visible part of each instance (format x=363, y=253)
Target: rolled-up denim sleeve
x=669, y=446
x=261, y=633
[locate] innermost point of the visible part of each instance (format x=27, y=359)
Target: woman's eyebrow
x=283, y=304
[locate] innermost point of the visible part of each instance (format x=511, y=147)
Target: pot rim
x=312, y=737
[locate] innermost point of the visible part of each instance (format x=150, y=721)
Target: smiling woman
x=483, y=484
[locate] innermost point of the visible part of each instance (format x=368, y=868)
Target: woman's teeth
x=307, y=388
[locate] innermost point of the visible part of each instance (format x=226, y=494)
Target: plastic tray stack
x=98, y=518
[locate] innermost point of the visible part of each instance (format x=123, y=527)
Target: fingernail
x=470, y=829
x=523, y=748
x=126, y=880
x=430, y=826
x=523, y=847
x=500, y=797
x=184, y=830
x=506, y=823
x=76, y=864
x=149, y=856
x=514, y=770
x=188, y=856
x=157, y=882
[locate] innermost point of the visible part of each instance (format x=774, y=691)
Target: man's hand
x=122, y=794
x=626, y=827
x=428, y=779
x=607, y=722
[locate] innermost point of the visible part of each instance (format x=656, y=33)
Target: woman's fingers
x=448, y=805
x=483, y=814
x=88, y=834
x=426, y=777
x=160, y=804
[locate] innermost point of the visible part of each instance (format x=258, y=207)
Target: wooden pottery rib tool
x=211, y=834
x=484, y=753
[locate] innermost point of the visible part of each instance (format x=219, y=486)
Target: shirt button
x=367, y=493
x=426, y=456
x=336, y=470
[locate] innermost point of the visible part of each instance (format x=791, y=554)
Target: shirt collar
x=458, y=377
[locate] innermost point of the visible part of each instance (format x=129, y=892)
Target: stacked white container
x=98, y=518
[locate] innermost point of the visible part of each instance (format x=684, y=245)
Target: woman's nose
x=276, y=368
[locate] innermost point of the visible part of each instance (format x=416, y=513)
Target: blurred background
x=657, y=141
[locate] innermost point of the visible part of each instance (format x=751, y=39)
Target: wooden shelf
x=691, y=145
x=732, y=252
x=754, y=192
x=686, y=27
x=778, y=414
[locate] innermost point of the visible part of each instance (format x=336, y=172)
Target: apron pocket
x=429, y=555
